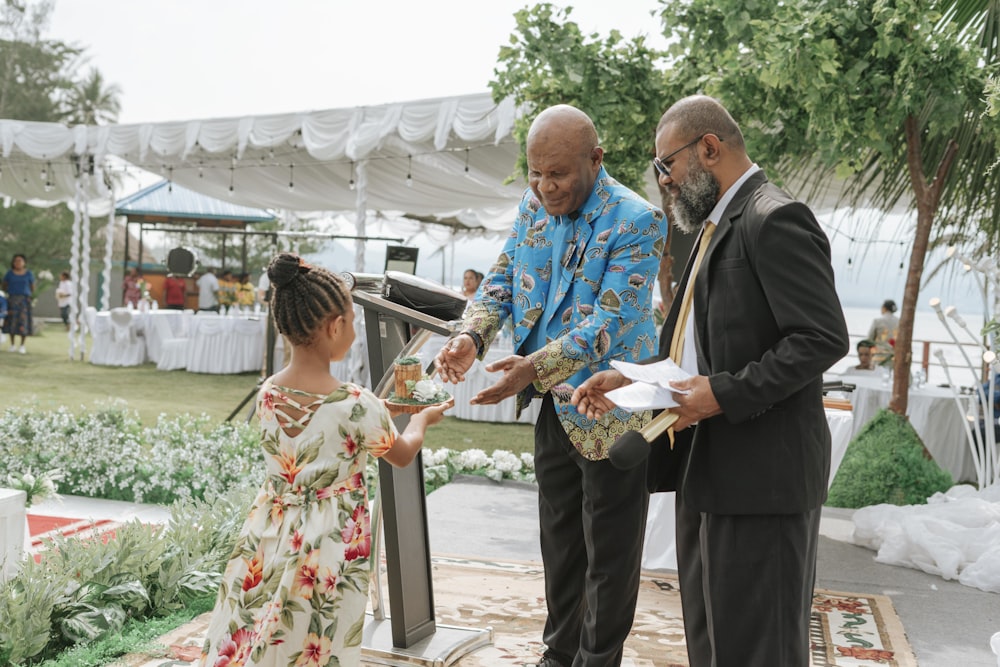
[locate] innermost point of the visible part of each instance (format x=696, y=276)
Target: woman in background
x=470, y=283
x=19, y=283
x=883, y=332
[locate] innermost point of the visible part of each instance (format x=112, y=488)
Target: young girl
x=296, y=587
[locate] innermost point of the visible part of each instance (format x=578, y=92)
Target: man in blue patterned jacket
x=576, y=278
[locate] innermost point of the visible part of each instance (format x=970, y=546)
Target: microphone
x=632, y=448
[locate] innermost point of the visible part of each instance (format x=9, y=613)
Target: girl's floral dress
x=296, y=587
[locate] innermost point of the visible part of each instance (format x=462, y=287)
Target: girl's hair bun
x=284, y=268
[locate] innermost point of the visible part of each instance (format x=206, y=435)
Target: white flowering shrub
x=442, y=464
x=107, y=453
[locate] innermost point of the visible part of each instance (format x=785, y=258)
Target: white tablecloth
x=659, y=550
x=477, y=379
x=220, y=344
x=933, y=414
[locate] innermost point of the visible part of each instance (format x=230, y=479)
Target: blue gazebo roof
x=166, y=202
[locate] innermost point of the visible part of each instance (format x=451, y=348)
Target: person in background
x=64, y=295
x=208, y=292
x=883, y=332
x=575, y=277
x=174, y=292
x=227, y=289
x=470, y=283
x=751, y=445
x=244, y=291
x=865, y=350
x=131, y=292
x=3, y=309
x=19, y=284
x=297, y=582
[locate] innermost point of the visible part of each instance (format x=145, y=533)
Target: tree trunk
x=927, y=195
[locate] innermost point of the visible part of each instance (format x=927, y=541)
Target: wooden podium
x=409, y=636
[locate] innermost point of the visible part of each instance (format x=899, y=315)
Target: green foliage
x=616, y=81
x=138, y=635
x=38, y=233
x=884, y=463
x=86, y=590
x=829, y=83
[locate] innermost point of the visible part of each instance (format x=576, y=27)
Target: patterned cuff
x=477, y=339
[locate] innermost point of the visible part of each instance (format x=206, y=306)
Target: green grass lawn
x=45, y=378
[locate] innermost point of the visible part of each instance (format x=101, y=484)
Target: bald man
x=575, y=278
x=751, y=451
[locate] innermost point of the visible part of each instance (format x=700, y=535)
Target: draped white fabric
x=457, y=153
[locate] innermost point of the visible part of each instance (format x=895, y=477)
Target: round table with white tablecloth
x=222, y=344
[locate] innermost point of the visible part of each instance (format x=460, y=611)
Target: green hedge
x=885, y=463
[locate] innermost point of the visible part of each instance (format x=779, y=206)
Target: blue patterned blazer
x=603, y=273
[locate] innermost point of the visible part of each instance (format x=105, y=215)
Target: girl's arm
x=408, y=442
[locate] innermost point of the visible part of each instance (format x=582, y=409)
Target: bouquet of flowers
x=143, y=286
x=40, y=487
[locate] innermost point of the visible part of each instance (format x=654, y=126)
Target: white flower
x=506, y=462
x=45, y=274
x=472, y=459
x=528, y=461
x=426, y=390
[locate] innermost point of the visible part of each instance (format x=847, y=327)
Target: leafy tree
x=34, y=73
x=615, y=81
x=92, y=102
x=38, y=233
x=884, y=94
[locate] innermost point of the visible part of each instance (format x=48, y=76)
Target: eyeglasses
x=658, y=163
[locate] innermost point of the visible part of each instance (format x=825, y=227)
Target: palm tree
x=91, y=102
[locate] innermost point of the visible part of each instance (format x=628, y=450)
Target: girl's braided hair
x=304, y=297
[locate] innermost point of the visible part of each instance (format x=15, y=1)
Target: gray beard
x=696, y=198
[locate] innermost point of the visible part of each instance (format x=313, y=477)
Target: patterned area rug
x=848, y=629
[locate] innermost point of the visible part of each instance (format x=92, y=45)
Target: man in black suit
x=751, y=454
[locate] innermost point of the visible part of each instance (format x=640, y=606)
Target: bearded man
x=749, y=455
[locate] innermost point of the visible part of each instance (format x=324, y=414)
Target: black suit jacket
x=768, y=323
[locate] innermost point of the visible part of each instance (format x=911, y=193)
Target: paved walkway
x=947, y=624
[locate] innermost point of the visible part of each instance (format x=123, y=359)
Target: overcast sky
x=184, y=59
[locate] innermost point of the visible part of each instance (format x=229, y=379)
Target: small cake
x=407, y=369
x=413, y=390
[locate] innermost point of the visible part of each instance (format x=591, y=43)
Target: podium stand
x=412, y=636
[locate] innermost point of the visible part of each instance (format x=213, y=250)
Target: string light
x=232, y=178
x=409, y=171
x=201, y=169
x=291, y=177
x=466, y=160
x=351, y=183
x=170, y=180
x=44, y=174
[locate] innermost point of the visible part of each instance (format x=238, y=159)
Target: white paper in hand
x=641, y=396
x=650, y=388
x=662, y=373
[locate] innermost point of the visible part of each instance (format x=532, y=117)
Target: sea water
x=927, y=327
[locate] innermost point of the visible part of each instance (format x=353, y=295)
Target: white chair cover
x=172, y=350
x=117, y=340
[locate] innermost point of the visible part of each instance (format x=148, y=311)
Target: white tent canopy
x=446, y=158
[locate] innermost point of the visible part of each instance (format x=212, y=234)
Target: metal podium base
x=441, y=649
